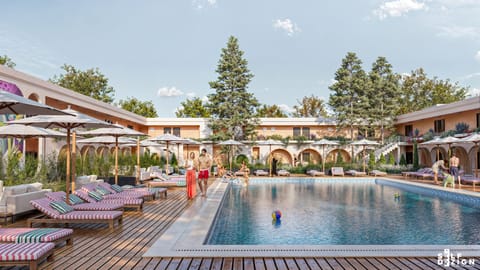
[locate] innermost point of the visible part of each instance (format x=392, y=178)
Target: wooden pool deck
x=97, y=247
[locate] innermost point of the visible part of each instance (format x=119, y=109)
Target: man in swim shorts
x=204, y=165
x=454, y=163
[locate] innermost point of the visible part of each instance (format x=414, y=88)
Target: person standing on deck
x=454, y=163
x=204, y=165
x=190, y=165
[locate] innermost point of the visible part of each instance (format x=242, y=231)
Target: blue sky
x=167, y=51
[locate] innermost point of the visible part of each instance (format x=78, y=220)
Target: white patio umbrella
x=270, y=142
x=437, y=142
x=231, y=143
x=116, y=132
x=323, y=143
x=364, y=143
x=449, y=140
x=474, y=138
x=14, y=104
x=167, y=138
x=68, y=122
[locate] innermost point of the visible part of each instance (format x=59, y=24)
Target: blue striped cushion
x=102, y=191
x=117, y=188
x=95, y=195
x=61, y=207
x=74, y=199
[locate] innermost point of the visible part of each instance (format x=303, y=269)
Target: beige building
x=439, y=118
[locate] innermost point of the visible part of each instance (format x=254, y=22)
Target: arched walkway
x=283, y=156
x=309, y=155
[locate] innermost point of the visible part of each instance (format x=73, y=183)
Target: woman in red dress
x=191, y=175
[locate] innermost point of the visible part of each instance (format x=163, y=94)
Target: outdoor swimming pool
x=344, y=212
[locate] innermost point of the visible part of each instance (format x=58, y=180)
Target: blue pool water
x=342, y=212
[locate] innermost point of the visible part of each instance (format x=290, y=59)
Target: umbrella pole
x=67, y=186
x=116, y=160
x=438, y=152
x=138, y=161
x=364, y=158
x=323, y=158
x=476, y=160
x=270, y=160
x=166, y=165
x=74, y=159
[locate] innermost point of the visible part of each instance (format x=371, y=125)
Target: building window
x=297, y=131
x=439, y=126
x=409, y=130
x=301, y=131
x=306, y=132
x=167, y=130
x=176, y=131
x=306, y=157
x=478, y=120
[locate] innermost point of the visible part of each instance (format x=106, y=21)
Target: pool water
x=346, y=212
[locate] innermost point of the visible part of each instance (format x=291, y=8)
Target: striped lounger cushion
x=24, y=252
x=44, y=206
x=12, y=234
x=86, y=206
x=93, y=187
x=141, y=191
x=125, y=201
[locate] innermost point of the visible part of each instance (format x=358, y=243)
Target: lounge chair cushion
x=24, y=252
x=95, y=195
x=61, y=206
x=74, y=199
x=102, y=191
x=117, y=188
x=12, y=234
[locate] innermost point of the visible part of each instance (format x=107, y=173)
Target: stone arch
x=102, y=151
x=283, y=155
x=424, y=157
x=472, y=158
x=315, y=157
x=34, y=97
x=441, y=152
x=333, y=154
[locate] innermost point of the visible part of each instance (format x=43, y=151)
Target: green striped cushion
x=95, y=195
x=74, y=199
x=117, y=188
x=61, y=207
x=102, y=191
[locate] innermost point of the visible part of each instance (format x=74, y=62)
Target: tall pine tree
x=349, y=100
x=382, y=96
x=232, y=107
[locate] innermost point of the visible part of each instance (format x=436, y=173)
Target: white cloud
x=169, y=92
x=201, y=4
x=285, y=108
x=286, y=25
x=477, y=56
x=398, y=8
x=474, y=92
x=470, y=76
x=459, y=32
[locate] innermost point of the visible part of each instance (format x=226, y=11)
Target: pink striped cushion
x=122, y=200
x=91, y=215
x=84, y=195
x=133, y=192
x=24, y=252
x=98, y=206
x=10, y=234
x=43, y=205
x=123, y=196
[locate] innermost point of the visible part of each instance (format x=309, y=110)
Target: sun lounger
x=283, y=173
x=84, y=205
x=377, y=173
x=126, y=201
x=108, y=196
x=52, y=215
x=29, y=254
x=470, y=179
x=315, y=173
x=355, y=173
x=337, y=171
x=147, y=193
x=260, y=173
x=36, y=235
